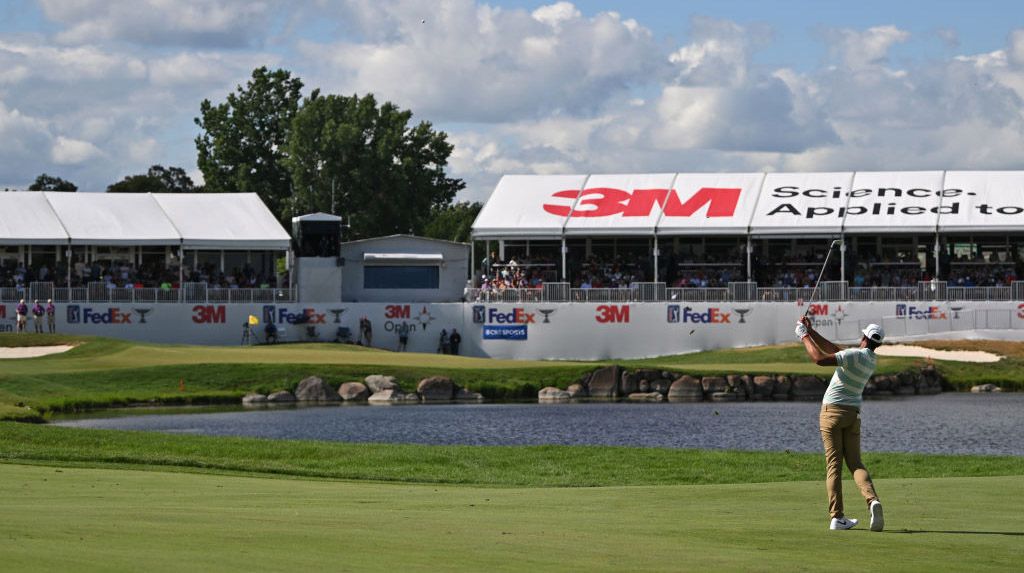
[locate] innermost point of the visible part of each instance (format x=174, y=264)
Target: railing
x=749, y=292
x=194, y=293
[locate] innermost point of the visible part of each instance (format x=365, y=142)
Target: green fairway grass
x=101, y=372
x=77, y=519
x=526, y=466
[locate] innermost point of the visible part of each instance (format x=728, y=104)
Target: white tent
x=113, y=219
x=223, y=221
x=28, y=219
x=238, y=221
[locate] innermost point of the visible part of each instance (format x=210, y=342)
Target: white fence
x=831, y=291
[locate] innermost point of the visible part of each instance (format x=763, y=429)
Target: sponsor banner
x=495, y=332
x=912, y=312
x=583, y=331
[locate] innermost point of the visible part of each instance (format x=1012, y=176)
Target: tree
x=49, y=183
x=452, y=222
x=241, y=148
x=157, y=180
x=365, y=162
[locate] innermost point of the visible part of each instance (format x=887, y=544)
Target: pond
x=948, y=423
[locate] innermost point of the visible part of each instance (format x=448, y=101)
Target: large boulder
x=686, y=389
x=376, y=382
x=313, y=389
x=724, y=397
x=763, y=387
x=808, y=388
x=783, y=385
x=281, y=397
x=628, y=383
x=552, y=394
x=254, y=399
x=388, y=396
x=740, y=385
x=982, y=388
x=604, y=382
x=714, y=384
x=436, y=389
x=466, y=395
x=661, y=384
x=646, y=397
x=577, y=391
x=353, y=391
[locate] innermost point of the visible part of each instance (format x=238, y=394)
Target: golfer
x=840, y=416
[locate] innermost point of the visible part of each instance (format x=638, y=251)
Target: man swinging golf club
x=840, y=416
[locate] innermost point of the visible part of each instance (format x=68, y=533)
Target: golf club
x=820, y=274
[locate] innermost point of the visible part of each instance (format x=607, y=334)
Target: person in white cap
x=840, y=416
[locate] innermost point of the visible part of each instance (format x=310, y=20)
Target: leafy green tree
x=157, y=180
x=243, y=140
x=50, y=183
x=365, y=162
x=452, y=222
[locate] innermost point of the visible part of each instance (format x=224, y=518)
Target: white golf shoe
x=877, y=521
x=842, y=523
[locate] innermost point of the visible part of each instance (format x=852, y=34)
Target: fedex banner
x=535, y=331
x=759, y=203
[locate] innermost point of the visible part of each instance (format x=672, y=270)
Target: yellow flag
x=253, y=321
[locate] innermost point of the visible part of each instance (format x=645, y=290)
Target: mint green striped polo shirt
x=854, y=368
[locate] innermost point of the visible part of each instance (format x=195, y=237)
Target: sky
x=96, y=90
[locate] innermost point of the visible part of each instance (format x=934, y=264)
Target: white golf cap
x=874, y=333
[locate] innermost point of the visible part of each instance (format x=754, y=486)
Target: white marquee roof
x=223, y=221
x=760, y=204
x=194, y=220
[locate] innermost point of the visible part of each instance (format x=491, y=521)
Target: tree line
x=349, y=155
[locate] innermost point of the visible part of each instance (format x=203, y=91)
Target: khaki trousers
x=840, y=433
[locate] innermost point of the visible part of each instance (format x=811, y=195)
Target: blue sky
x=94, y=90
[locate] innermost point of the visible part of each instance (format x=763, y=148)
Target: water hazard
x=947, y=423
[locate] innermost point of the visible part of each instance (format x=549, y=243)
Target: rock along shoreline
x=645, y=385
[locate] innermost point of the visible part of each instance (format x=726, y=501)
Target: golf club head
x=836, y=243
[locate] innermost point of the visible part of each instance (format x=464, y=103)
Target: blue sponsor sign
x=479, y=314
x=673, y=313
x=500, y=332
x=74, y=314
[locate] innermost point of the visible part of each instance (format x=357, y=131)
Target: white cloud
x=863, y=49
x=475, y=63
x=557, y=89
x=227, y=23
x=67, y=151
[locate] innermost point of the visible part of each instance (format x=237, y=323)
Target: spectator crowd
x=123, y=274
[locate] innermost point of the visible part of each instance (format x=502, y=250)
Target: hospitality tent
x=792, y=205
x=190, y=220
x=135, y=221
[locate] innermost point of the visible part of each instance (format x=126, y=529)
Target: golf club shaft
x=820, y=274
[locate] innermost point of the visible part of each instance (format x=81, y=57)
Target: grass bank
x=547, y=466
x=113, y=520
x=100, y=373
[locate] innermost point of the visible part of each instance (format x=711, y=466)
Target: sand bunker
x=922, y=352
x=32, y=351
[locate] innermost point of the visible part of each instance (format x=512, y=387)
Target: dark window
x=409, y=277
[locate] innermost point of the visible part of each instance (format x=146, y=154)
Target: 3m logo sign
x=607, y=202
x=607, y=313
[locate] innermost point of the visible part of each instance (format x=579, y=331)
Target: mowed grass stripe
x=524, y=466
x=115, y=520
